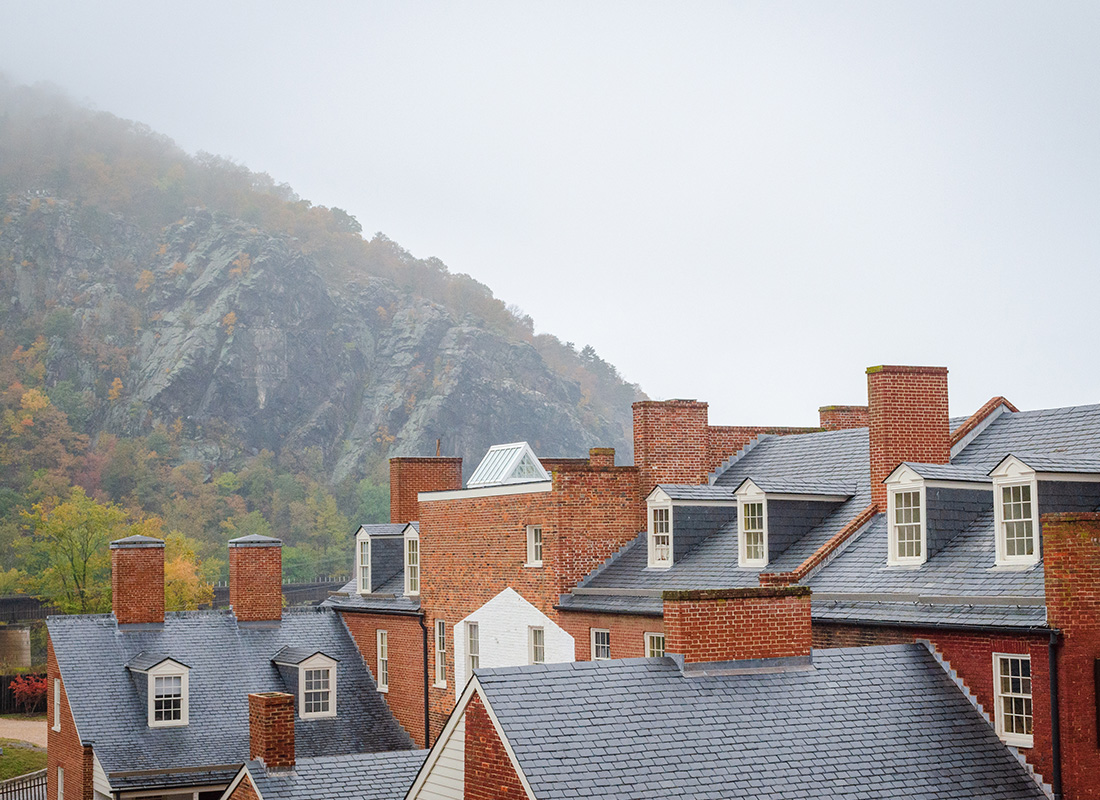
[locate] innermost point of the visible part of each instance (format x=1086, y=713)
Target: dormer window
x=311, y=676
x=660, y=535
x=362, y=563
x=412, y=561
x=752, y=525
x=1016, y=513
x=165, y=685
x=907, y=530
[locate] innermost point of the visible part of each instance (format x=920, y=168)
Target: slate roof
x=294, y=655
x=1067, y=432
x=145, y=661
x=364, y=776
x=862, y=722
x=950, y=472
x=390, y=596
x=228, y=661
x=1059, y=463
x=680, y=491
x=790, y=484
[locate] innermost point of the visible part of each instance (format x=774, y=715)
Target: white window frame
x=650, y=645
x=316, y=662
x=536, y=632
x=1014, y=739
x=382, y=650
x=750, y=494
x=362, y=571
x=473, y=648
x=57, y=704
x=1019, y=475
x=655, y=560
x=412, y=571
x=593, y=634
x=893, y=559
x=167, y=669
x=534, y=546
x=440, y=654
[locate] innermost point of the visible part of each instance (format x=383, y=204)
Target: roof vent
x=506, y=464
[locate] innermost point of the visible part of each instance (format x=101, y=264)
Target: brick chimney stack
x=909, y=422
x=271, y=729
x=137, y=580
x=671, y=440
x=601, y=457
x=256, y=578
x=410, y=476
x=732, y=624
x=839, y=418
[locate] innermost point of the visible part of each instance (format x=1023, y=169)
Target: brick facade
x=405, y=642
x=839, y=418
x=256, y=580
x=627, y=632
x=410, y=476
x=489, y=772
x=137, y=580
x=908, y=420
x=729, y=624
x=63, y=748
x=271, y=729
x=245, y=790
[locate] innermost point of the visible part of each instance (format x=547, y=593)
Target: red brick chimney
x=601, y=457
x=731, y=624
x=671, y=440
x=410, y=476
x=271, y=729
x=908, y=415
x=137, y=580
x=256, y=578
x=838, y=418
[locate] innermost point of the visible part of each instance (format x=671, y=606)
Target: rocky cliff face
x=230, y=334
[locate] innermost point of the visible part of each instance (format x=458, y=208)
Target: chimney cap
x=137, y=541
x=256, y=540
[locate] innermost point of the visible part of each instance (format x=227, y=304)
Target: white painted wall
x=502, y=627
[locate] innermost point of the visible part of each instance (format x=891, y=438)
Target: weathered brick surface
x=137, y=583
x=838, y=418
x=244, y=790
x=406, y=663
x=728, y=624
x=1071, y=564
x=908, y=420
x=63, y=747
x=627, y=632
x=409, y=476
x=271, y=728
x=489, y=771
x=256, y=582
x=971, y=656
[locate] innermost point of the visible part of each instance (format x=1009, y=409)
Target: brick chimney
x=731, y=624
x=671, y=440
x=256, y=578
x=908, y=415
x=601, y=457
x=838, y=418
x=137, y=580
x=271, y=729
x=410, y=476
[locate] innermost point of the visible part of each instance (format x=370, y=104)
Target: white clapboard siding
x=445, y=781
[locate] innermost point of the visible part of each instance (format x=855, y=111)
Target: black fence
x=7, y=697
x=31, y=786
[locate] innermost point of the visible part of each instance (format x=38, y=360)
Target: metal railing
x=31, y=786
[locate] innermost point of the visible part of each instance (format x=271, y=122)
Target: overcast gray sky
x=745, y=203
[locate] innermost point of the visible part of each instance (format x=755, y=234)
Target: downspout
x=1055, y=724
x=427, y=735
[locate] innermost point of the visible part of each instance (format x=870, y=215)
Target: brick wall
x=489, y=771
x=671, y=443
x=1071, y=564
x=627, y=632
x=837, y=418
x=406, y=663
x=256, y=580
x=271, y=728
x=409, y=476
x=244, y=790
x=63, y=748
x=724, y=441
x=971, y=656
x=729, y=624
x=908, y=420
x=137, y=581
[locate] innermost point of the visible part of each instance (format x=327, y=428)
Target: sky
x=744, y=203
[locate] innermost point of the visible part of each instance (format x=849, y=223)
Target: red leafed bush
x=30, y=692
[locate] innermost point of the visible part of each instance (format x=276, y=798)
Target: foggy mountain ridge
x=191, y=293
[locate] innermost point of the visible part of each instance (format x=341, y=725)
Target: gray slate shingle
x=365, y=776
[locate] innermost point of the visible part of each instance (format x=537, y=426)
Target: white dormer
x=752, y=525
x=508, y=464
x=659, y=506
x=1016, y=512
x=315, y=676
x=362, y=562
x=166, y=689
x=411, y=550
x=905, y=514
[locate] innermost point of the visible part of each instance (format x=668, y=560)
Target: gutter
x=427, y=718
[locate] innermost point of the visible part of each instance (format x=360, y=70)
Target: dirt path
x=28, y=730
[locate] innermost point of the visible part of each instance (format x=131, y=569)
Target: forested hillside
x=188, y=348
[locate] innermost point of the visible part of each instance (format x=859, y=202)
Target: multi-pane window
x=661, y=536
x=168, y=698
x=440, y=653
x=601, y=644
x=1017, y=522
x=907, y=525
x=412, y=566
x=383, y=661
x=536, y=646
x=534, y=545
x=1013, y=689
x=364, y=565
x=752, y=522
x=654, y=645
x=57, y=704
x=473, y=648
x=317, y=691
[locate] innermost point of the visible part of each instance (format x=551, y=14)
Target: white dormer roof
x=508, y=463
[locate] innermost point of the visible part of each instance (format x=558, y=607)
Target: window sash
x=537, y=638
x=601, y=645
x=316, y=690
x=383, y=660
x=440, y=652
x=412, y=564
x=655, y=645
x=907, y=525
x=1017, y=521
x=662, y=535
x=534, y=545
x=167, y=698
x=364, y=565
x=473, y=650
x=753, y=532
x=1014, y=699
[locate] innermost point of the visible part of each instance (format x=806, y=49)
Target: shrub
x=30, y=692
